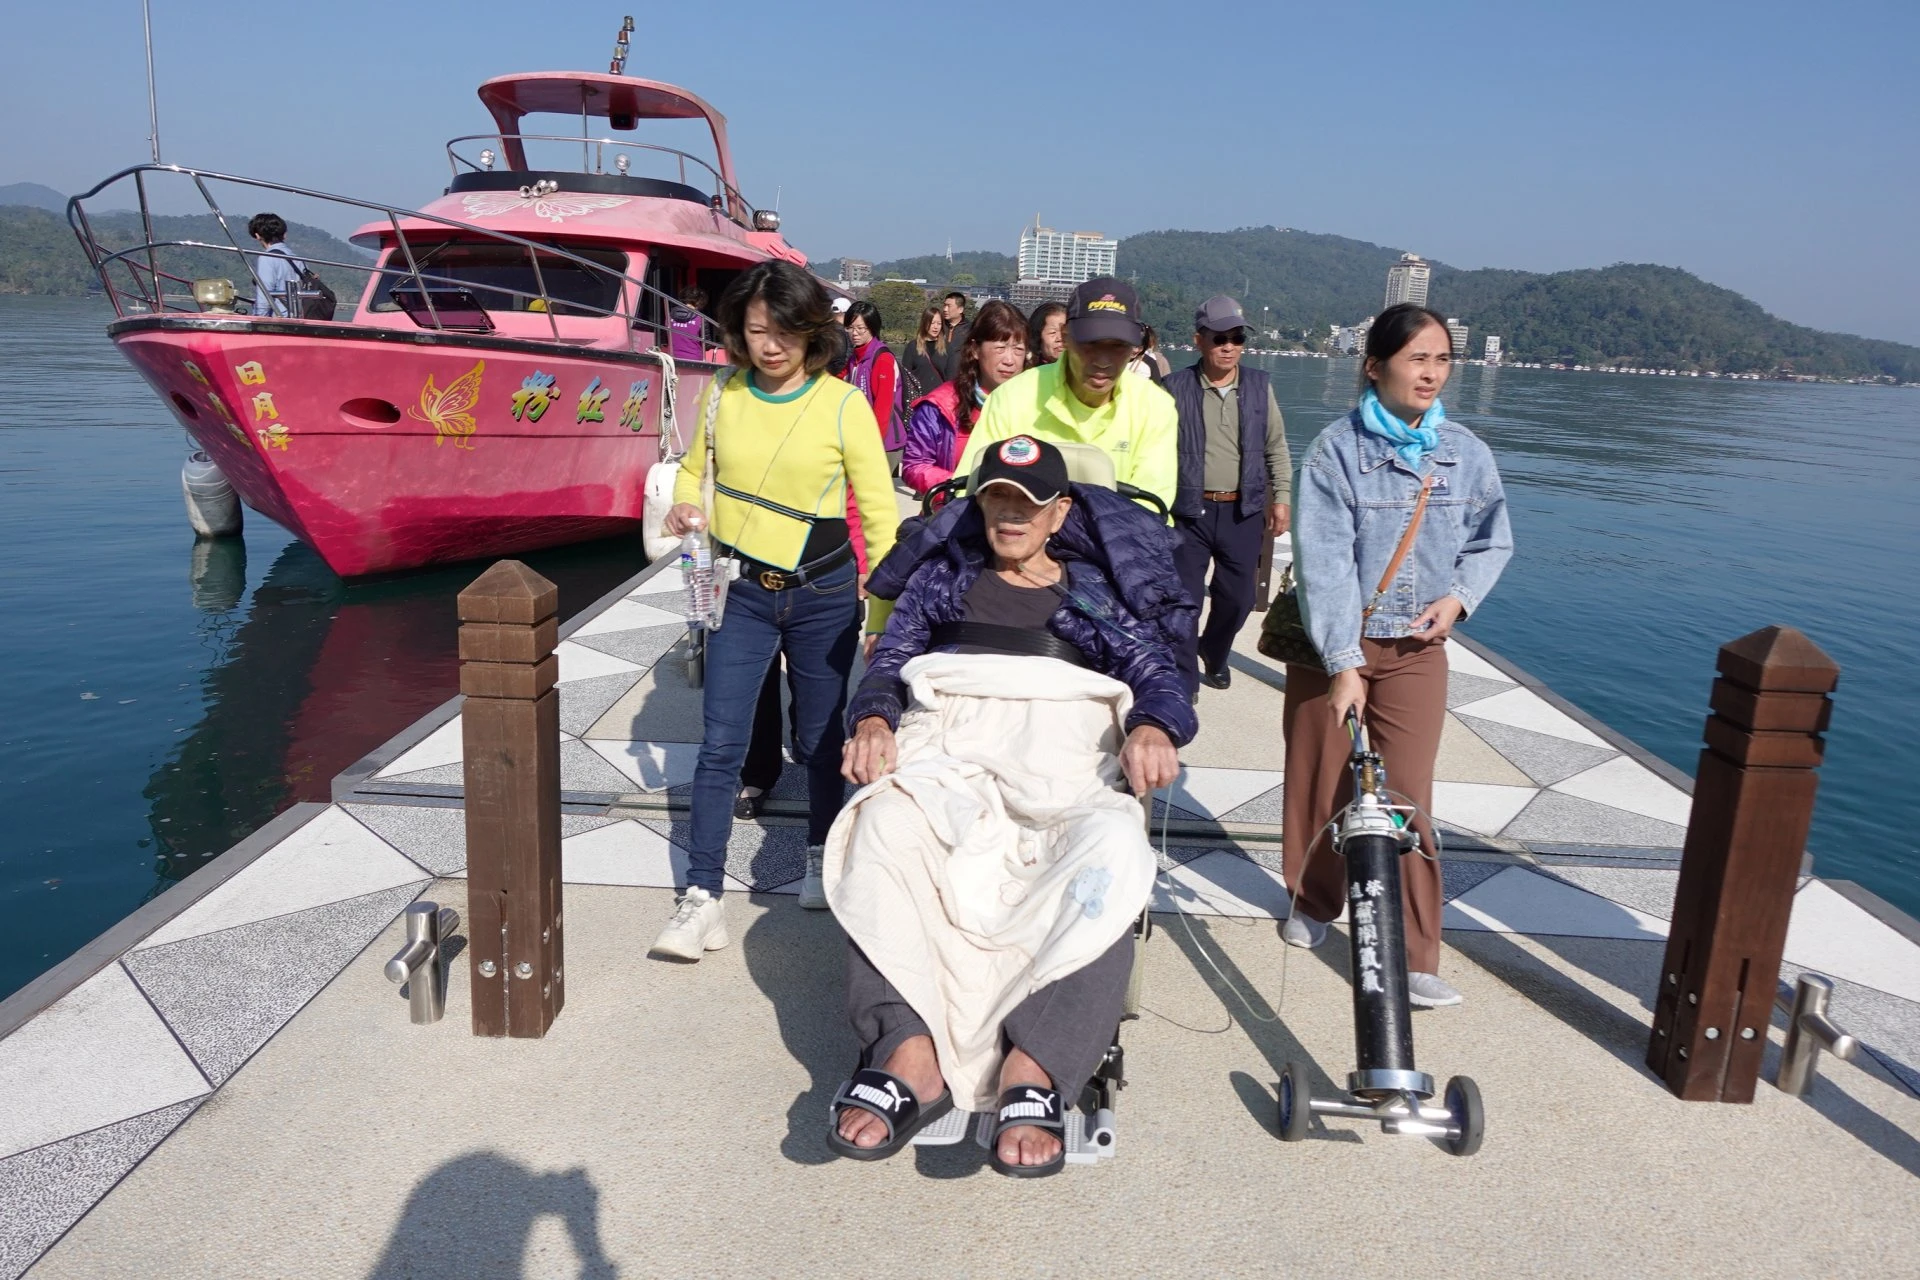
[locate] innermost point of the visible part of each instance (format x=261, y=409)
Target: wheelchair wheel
x=1463, y=1106
x=1295, y=1102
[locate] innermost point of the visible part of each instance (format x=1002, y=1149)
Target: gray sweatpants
x=1065, y=1026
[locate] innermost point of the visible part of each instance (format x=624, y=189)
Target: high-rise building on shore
x=1458, y=332
x=1072, y=256
x=1407, y=280
x=1492, y=352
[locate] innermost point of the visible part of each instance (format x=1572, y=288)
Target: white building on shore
x=1407, y=280
x=1053, y=262
x=1492, y=352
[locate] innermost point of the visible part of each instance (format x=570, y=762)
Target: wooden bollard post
x=1752, y=806
x=510, y=731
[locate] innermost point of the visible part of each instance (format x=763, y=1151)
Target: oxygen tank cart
x=1373, y=834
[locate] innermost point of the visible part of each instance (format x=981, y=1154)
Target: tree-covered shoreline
x=1301, y=283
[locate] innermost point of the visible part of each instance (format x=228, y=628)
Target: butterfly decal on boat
x=552, y=206
x=449, y=410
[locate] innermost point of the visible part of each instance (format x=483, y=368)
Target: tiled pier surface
x=227, y=1085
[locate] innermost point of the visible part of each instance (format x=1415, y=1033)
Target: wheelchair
x=1095, y=1138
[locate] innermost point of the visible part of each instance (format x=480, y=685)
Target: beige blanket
x=998, y=856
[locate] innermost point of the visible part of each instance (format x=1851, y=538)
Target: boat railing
x=128, y=258
x=600, y=156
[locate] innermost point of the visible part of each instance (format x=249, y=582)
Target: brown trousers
x=1406, y=707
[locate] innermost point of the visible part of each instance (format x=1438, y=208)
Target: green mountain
x=33, y=193
x=39, y=254
x=984, y=265
x=1300, y=282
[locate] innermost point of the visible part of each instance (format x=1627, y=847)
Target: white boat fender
x=661, y=477
x=213, y=508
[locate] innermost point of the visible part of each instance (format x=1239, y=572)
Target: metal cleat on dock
x=417, y=965
x=1809, y=1030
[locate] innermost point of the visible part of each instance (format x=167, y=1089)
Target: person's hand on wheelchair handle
x=1149, y=759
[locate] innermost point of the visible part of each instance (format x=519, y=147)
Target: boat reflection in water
x=312, y=673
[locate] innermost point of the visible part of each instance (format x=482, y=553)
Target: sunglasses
x=1232, y=338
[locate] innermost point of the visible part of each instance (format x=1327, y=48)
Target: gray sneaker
x=1302, y=930
x=1427, y=991
x=813, y=892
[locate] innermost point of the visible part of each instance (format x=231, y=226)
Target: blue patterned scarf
x=1412, y=443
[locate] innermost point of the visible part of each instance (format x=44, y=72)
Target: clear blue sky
x=1768, y=147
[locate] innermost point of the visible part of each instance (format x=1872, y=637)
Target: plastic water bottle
x=696, y=567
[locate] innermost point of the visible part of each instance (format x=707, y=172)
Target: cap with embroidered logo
x=1104, y=310
x=1034, y=467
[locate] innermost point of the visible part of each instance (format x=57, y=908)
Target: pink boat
x=498, y=375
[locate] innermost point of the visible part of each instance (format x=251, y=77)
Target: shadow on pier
x=474, y=1215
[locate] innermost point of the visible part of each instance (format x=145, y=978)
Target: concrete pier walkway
x=227, y=1085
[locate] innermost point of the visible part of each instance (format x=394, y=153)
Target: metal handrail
x=101, y=259
x=721, y=185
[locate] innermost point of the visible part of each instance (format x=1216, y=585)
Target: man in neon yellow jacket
x=1088, y=397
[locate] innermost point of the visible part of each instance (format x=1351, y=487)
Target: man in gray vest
x=1235, y=488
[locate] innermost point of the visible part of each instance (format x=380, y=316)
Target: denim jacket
x=1353, y=501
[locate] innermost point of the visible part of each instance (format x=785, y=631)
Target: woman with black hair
x=995, y=350
x=790, y=445
x=874, y=370
x=1046, y=333
x=1399, y=531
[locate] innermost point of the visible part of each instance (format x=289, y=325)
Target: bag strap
x=1400, y=552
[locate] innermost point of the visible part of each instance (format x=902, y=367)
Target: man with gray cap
x=1235, y=486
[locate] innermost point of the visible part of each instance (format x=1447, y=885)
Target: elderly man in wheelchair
x=989, y=872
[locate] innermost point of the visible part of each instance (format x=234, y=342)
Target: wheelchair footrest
x=1090, y=1138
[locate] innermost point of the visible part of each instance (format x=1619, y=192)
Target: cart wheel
x=1463, y=1105
x=1295, y=1098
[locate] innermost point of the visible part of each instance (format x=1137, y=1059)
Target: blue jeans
x=817, y=627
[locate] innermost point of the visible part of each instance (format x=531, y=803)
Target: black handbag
x=1283, y=634
x=313, y=299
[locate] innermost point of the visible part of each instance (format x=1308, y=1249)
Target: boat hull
x=388, y=450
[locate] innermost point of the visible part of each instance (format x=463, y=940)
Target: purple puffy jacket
x=1092, y=619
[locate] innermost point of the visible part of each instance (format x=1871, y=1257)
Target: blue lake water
x=165, y=698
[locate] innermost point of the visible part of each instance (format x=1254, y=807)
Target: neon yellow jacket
x=1138, y=426
x=782, y=460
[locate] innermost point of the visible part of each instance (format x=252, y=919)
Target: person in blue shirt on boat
x=1396, y=459
x=277, y=270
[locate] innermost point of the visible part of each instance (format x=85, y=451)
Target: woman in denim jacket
x=1387, y=663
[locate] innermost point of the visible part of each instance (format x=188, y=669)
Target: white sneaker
x=813, y=890
x=1302, y=930
x=699, y=925
x=1427, y=991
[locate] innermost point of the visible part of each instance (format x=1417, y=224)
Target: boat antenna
x=153, y=105
x=618, y=66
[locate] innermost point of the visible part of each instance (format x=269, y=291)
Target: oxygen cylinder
x=213, y=508
x=1382, y=1023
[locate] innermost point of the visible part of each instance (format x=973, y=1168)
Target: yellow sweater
x=1138, y=426
x=782, y=461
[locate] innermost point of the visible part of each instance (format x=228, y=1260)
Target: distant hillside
x=985, y=266
x=39, y=254
x=1624, y=313
x=33, y=194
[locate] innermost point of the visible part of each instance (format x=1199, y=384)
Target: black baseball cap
x=1104, y=310
x=1032, y=466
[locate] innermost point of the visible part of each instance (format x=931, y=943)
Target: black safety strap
x=1011, y=640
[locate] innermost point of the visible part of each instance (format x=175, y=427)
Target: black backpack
x=316, y=300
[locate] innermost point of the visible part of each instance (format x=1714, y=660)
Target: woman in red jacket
x=941, y=420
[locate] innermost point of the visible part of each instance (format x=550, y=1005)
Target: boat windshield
x=503, y=278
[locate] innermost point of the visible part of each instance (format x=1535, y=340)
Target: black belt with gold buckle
x=785, y=579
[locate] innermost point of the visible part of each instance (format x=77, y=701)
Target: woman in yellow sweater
x=789, y=440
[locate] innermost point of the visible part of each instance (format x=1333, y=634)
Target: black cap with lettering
x=1034, y=467
x=1104, y=310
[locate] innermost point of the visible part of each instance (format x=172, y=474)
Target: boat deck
x=227, y=1084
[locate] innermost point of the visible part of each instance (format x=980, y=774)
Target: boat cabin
x=566, y=235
